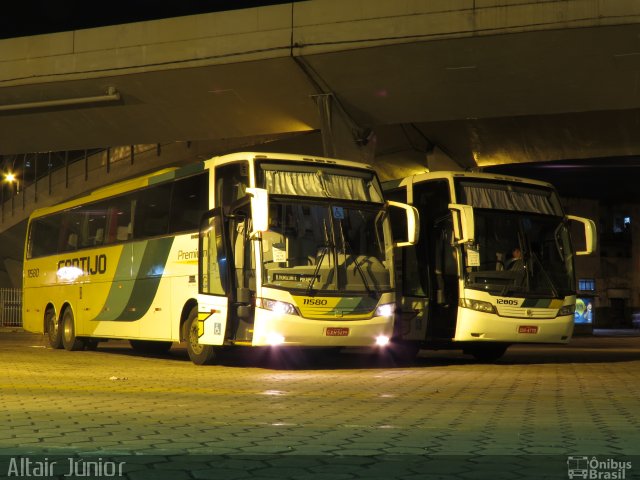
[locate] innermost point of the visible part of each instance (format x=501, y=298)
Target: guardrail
x=10, y=307
x=45, y=179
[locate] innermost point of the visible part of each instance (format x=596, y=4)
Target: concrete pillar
x=341, y=136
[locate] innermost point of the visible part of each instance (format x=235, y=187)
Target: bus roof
x=234, y=157
x=451, y=175
x=106, y=192
x=145, y=180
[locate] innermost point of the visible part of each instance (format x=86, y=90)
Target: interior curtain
x=509, y=200
x=318, y=184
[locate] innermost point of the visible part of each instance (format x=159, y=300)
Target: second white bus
x=494, y=264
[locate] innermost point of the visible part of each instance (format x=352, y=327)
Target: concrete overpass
x=487, y=80
x=405, y=85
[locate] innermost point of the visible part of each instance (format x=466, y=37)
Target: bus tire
x=54, y=332
x=199, y=354
x=150, y=346
x=488, y=353
x=403, y=352
x=69, y=339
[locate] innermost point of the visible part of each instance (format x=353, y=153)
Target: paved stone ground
x=352, y=416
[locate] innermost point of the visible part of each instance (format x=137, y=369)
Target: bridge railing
x=64, y=175
x=10, y=307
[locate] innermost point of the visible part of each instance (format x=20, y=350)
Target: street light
x=11, y=178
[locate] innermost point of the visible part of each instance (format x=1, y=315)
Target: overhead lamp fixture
x=112, y=95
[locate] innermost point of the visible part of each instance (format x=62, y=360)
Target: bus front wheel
x=198, y=353
x=54, y=332
x=69, y=339
x=489, y=352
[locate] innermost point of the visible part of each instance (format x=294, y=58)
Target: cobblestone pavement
x=540, y=412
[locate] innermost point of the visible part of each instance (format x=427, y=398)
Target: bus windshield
x=327, y=247
x=522, y=244
x=320, y=181
x=520, y=254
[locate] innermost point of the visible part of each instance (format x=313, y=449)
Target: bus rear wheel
x=69, y=339
x=54, y=332
x=198, y=353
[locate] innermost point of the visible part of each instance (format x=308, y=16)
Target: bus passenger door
x=444, y=308
x=437, y=258
x=215, y=282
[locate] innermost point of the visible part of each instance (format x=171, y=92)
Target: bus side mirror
x=463, y=223
x=590, y=235
x=413, y=223
x=259, y=209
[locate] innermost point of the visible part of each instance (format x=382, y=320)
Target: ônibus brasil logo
x=595, y=468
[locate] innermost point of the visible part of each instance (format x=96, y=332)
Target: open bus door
x=448, y=232
x=220, y=309
x=207, y=324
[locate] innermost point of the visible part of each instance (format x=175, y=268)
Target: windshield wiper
x=325, y=251
x=346, y=247
x=554, y=289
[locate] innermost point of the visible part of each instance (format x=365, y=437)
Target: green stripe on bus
x=536, y=303
x=357, y=304
x=133, y=290
x=176, y=174
x=190, y=170
x=148, y=278
x=121, y=287
x=162, y=178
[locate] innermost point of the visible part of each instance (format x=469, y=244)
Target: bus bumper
x=291, y=330
x=474, y=326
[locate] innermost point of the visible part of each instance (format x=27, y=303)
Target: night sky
x=610, y=179
x=33, y=17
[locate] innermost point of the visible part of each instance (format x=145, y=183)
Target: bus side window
x=43, y=235
x=231, y=183
x=118, y=223
x=152, y=211
x=69, y=237
x=189, y=201
x=94, y=227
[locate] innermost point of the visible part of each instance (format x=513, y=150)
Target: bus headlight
x=385, y=310
x=477, y=305
x=276, y=306
x=275, y=339
x=567, y=310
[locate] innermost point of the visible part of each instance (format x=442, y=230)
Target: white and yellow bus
x=301, y=256
x=494, y=264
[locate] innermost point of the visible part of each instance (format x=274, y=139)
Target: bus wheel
x=54, y=332
x=151, y=347
x=403, y=352
x=198, y=353
x=69, y=339
x=489, y=352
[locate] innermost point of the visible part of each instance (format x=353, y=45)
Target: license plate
x=528, y=329
x=336, y=332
